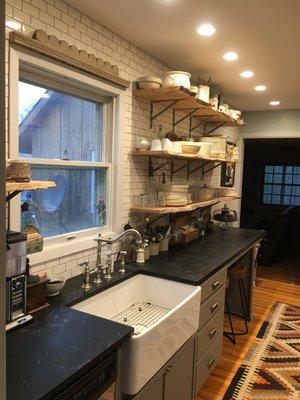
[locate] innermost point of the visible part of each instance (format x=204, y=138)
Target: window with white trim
x=64, y=134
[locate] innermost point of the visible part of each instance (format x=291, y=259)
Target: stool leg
x=229, y=335
x=244, y=303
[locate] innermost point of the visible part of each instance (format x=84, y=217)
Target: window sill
x=52, y=252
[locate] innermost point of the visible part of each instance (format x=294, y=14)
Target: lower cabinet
x=175, y=380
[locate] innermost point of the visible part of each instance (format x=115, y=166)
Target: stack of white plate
x=175, y=195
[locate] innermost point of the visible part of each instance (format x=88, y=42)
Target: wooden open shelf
x=187, y=208
x=32, y=185
x=14, y=188
x=184, y=156
x=183, y=99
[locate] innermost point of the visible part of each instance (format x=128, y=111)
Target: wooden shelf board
x=187, y=208
x=167, y=154
x=188, y=101
x=32, y=185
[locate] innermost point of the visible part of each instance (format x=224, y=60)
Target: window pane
x=267, y=189
x=288, y=190
x=78, y=201
x=267, y=199
x=289, y=179
x=275, y=199
x=57, y=125
x=296, y=180
x=276, y=189
x=289, y=170
x=268, y=178
x=278, y=170
x=277, y=178
x=296, y=170
x=269, y=168
x=287, y=200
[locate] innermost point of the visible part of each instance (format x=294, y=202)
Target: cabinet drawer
x=209, y=333
x=211, y=306
x=207, y=363
x=213, y=284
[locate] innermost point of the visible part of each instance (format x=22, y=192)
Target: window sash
x=282, y=184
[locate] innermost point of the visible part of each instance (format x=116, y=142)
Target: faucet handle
x=123, y=254
x=84, y=263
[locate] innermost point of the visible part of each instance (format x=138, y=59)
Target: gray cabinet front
x=179, y=375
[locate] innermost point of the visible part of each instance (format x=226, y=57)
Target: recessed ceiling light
x=15, y=25
x=230, y=56
x=206, y=30
x=274, y=103
x=247, y=74
x=260, y=88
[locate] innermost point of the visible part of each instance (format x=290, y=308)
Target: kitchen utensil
x=149, y=82
x=205, y=149
x=226, y=216
x=55, y=285
x=181, y=78
x=190, y=147
x=203, y=93
x=156, y=145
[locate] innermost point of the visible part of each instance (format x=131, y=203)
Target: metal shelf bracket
x=214, y=128
x=192, y=128
x=154, y=116
x=193, y=110
x=12, y=195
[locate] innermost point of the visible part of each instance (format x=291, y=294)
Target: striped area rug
x=271, y=369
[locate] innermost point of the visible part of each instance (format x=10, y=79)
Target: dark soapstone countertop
x=56, y=349
x=61, y=343
x=196, y=262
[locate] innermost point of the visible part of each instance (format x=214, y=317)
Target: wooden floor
x=281, y=284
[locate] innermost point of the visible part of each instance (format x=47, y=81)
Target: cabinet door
x=179, y=374
x=154, y=390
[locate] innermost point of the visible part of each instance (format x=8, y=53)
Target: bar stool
x=237, y=273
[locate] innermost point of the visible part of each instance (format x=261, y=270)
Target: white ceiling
x=265, y=34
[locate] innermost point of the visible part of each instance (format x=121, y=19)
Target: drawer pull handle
x=211, y=361
x=214, y=307
x=215, y=285
x=212, y=333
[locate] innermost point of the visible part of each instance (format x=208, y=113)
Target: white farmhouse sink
x=171, y=319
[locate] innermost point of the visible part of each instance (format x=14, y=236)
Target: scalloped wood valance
x=60, y=50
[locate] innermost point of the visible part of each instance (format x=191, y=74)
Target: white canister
x=156, y=145
x=147, y=253
x=154, y=249
x=177, y=147
x=203, y=93
x=140, y=256
x=167, y=145
x=143, y=144
x=164, y=244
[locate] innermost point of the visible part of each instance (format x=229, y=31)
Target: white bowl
x=190, y=147
x=149, y=82
x=57, y=282
x=181, y=78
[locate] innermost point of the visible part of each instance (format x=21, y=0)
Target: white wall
x=63, y=21
x=264, y=124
